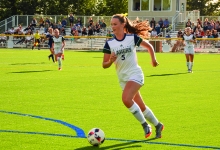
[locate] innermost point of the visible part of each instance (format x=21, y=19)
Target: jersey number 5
x=122, y=57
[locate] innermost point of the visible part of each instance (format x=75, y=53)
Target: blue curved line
x=79, y=132
x=41, y=133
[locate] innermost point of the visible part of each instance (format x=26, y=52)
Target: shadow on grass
x=167, y=74
x=33, y=71
x=126, y=145
x=28, y=63
x=89, y=51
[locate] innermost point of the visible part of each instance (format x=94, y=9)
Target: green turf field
x=43, y=108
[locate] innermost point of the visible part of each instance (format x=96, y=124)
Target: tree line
x=88, y=7
x=9, y=8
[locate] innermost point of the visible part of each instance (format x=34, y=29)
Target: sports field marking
x=80, y=133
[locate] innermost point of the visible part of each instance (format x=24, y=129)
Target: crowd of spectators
x=159, y=26
x=205, y=29
x=72, y=24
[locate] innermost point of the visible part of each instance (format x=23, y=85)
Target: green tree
x=57, y=7
x=206, y=7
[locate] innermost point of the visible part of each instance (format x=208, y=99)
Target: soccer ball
x=96, y=136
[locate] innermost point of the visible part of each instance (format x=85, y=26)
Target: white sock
x=59, y=62
x=191, y=65
x=188, y=65
x=136, y=111
x=149, y=115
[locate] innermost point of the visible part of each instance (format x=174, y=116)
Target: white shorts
x=58, y=50
x=139, y=78
x=189, y=50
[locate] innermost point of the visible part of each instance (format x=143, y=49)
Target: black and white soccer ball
x=96, y=136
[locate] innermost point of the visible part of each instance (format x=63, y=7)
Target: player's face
x=56, y=32
x=117, y=26
x=188, y=30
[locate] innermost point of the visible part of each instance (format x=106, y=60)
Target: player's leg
x=191, y=57
x=187, y=60
x=149, y=115
x=59, y=60
x=38, y=40
x=131, y=88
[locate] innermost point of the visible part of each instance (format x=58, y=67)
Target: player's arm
x=193, y=39
x=150, y=49
x=63, y=44
x=109, y=57
x=140, y=42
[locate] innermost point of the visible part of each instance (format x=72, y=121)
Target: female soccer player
x=58, y=45
x=121, y=50
x=50, y=41
x=188, y=41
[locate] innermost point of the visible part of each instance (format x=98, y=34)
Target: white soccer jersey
x=187, y=39
x=58, y=43
x=126, y=62
x=189, y=48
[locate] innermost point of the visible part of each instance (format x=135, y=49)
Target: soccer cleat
x=148, y=131
x=59, y=68
x=159, y=128
x=190, y=71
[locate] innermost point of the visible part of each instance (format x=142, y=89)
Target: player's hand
x=113, y=57
x=155, y=63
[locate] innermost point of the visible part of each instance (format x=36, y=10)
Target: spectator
x=59, y=25
x=154, y=33
x=189, y=24
x=79, y=22
x=193, y=27
x=152, y=23
x=46, y=27
x=199, y=22
x=165, y=24
x=160, y=22
x=109, y=35
x=34, y=23
x=90, y=31
x=103, y=26
x=28, y=28
x=84, y=32
x=97, y=28
x=215, y=34
x=64, y=23
x=90, y=21
x=11, y=31
x=41, y=22
x=217, y=26
x=47, y=21
x=62, y=31
x=205, y=26
x=209, y=35
x=210, y=25
x=157, y=27
x=71, y=20
x=79, y=30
